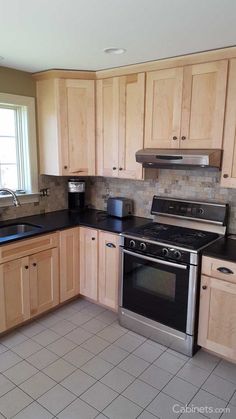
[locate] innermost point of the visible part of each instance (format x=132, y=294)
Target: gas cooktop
x=173, y=235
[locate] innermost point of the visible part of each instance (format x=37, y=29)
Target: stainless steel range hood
x=179, y=158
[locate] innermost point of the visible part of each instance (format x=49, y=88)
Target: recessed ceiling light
x=114, y=51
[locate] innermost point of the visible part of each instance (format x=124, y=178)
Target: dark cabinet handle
x=93, y=238
x=65, y=167
x=225, y=176
x=114, y=168
x=183, y=138
x=34, y=264
x=175, y=138
x=204, y=287
x=110, y=245
x=26, y=267
x=224, y=270
x=120, y=168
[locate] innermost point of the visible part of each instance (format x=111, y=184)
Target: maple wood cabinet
x=217, y=316
x=88, y=243
x=69, y=263
x=185, y=106
x=120, y=123
x=66, y=126
x=29, y=279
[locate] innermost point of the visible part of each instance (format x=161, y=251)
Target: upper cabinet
x=120, y=124
x=185, y=106
x=66, y=126
x=228, y=177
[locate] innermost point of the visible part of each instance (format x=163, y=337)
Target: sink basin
x=14, y=229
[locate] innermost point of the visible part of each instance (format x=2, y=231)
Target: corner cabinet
x=185, y=106
x=88, y=243
x=66, y=126
x=228, y=176
x=217, y=317
x=120, y=124
x=69, y=263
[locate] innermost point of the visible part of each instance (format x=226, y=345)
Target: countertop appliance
x=179, y=158
x=160, y=275
x=119, y=207
x=76, y=195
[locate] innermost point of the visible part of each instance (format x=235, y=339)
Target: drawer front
x=28, y=247
x=219, y=268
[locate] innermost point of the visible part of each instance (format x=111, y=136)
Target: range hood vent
x=179, y=158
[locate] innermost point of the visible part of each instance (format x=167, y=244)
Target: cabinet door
x=228, y=178
x=77, y=126
x=163, y=108
x=131, y=124
x=203, y=106
x=217, y=317
x=44, y=281
x=108, y=269
x=14, y=293
x=69, y=263
x=88, y=262
x=107, y=126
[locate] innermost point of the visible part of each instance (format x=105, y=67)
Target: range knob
x=165, y=252
x=177, y=254
x=132, y=243
x=143, y=246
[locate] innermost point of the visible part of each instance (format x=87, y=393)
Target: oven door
x=156, y=289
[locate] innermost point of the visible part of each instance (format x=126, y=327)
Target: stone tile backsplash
x=201, y=185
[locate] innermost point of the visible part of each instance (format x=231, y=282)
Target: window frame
x=30, y=149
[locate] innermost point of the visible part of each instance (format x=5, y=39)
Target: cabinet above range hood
x=179, y=158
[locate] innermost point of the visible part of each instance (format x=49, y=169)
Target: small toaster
x=119, y=207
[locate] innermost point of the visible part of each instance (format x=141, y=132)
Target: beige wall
x=16, y=82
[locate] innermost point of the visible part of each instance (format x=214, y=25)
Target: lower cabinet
x=217, y=316
x=69, y=263
x=44, y=281
x=88, y=262
x=14, y=293
x=108, y=269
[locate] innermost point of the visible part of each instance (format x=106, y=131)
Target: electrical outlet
x=45, y=192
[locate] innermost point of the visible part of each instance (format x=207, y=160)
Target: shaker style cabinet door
x=14, y=293
x=44, y=281
x=88, y=244
x=163, y=108
x=217, y=317
x=108, y=269
x=203, y=106
x=228, y=174
x=77, y=126
x=69, y=263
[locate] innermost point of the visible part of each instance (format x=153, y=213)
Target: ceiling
x=37, y=35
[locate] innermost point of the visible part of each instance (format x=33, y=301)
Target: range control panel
x=198, y=210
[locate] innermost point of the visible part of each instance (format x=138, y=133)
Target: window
x=18, y=153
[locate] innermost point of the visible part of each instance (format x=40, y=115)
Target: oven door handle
x=162, y=262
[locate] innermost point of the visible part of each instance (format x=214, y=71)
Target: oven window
x=145, y=280
x=156, y=290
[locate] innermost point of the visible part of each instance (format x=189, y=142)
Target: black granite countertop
x=59, y=220
x=224, y=248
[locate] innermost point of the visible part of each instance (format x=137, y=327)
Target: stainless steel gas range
x=160, y=261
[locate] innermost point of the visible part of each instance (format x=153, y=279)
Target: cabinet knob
x=34, y=264
x=175, y=138
x=65, y=167
x=114, y=168
x=225, y=176
x=110, y=245
x=183, y=138
x=26, y=267
x=93, y=238
x=120, y=168
x=204, y=287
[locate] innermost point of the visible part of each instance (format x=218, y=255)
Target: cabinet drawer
x=218, y=268
x=28, y=247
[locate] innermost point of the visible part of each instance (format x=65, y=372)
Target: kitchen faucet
x=16, y=201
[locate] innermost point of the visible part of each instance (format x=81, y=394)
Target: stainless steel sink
x=15, y=229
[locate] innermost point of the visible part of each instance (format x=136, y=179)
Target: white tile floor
x=77, y=362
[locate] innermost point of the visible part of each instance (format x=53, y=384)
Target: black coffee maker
x=76, y=195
